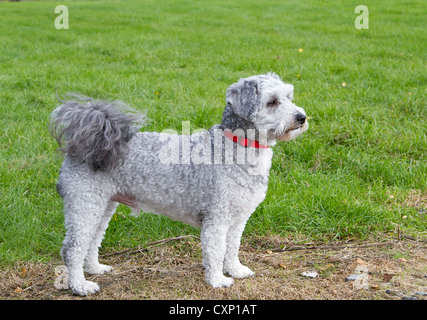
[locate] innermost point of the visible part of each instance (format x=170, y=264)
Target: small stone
x=394, y=293
x=310, y=274
x=353, y=277
x=409, y=298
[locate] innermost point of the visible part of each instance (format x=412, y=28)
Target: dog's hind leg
x=91, y=263
x=232, y=265
x=83, y=216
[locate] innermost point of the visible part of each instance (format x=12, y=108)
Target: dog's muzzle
x=298, y=126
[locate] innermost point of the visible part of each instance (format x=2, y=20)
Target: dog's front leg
x=213, y=237
x=232, y=265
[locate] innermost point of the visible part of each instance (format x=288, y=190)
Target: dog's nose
x=300, y=118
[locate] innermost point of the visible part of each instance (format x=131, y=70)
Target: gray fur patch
x=243, y=98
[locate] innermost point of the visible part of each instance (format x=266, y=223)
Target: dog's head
x=266, y=102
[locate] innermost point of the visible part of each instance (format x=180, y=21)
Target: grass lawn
x=359, y=171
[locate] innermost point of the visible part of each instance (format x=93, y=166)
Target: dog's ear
x=290, y=91
x=243, y=97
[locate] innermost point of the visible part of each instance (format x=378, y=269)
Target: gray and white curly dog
x=212, y=179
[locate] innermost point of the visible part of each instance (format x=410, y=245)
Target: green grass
x=349, y=176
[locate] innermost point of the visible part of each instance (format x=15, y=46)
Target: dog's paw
x=85, y=288
x=239, y=271
x=98, y=269
x=220, y=281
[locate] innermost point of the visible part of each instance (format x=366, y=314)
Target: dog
x=212, y=179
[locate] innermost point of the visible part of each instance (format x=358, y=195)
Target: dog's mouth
x=293, y=131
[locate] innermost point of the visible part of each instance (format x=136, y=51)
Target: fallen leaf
x=360, y=261
x=387, y=277
x=282, y=266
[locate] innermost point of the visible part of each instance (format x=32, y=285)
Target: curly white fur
x=109, y=162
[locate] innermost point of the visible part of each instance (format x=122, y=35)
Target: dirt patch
x=417, y=200
x=173, y=270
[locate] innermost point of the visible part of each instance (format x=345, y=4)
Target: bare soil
x=171, y=269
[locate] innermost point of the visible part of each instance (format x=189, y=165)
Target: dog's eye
x=272, y=103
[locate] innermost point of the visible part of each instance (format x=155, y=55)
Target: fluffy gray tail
x=94, y=132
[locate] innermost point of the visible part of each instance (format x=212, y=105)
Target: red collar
x=243, y=141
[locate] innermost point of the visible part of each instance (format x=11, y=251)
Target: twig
x=297, y=248
x=140, y=269
x=171, y=239
x=413, y=239
x=139, y=249
x=143, y=248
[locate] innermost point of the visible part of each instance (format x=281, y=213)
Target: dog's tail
x=94, y=132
